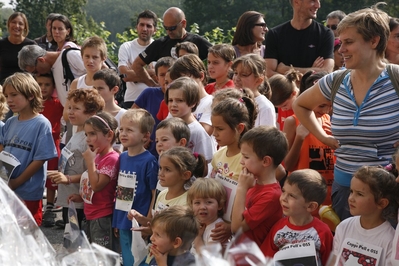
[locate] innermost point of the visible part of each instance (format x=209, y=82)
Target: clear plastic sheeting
x=23, y=243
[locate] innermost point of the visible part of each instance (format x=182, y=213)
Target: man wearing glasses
x=174, y=22
x=333, y=19
x=301, y=42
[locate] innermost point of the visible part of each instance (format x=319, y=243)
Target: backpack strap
x=336, y=83
x=393, y=72
x=68, y=75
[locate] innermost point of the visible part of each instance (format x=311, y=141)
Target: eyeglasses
x=263, y=25
x=34, y=72
x=333, y=27
x=172, y=28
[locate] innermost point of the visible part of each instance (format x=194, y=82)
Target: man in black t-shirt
x=301, y=42
x=174, y=22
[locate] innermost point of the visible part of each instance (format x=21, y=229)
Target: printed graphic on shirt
x=355, y=252
x=297, y=254
x=125, y=191
x=85, y=190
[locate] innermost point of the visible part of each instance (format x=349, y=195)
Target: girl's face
x=206, y=210
x=361, y=199
x=259, y=30
x=218, y=68
x=59, y=31
x=177, y=104
x=322, y=109
x=97, y=140
x=17, y=27
x=169, y=175
x=17, y=102
x=287, y=105
x=244, y=78
x=92, y=59
x=224, y=135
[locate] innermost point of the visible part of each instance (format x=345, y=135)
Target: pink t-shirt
x=103, y=201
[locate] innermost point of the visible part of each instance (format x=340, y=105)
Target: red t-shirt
x=103, y=200
x=262, y=210
x=210, y=88
x=282, y=115
x=53, y=110
x=163, y=111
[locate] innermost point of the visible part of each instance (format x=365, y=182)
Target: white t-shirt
x=380, y=236
x=82, y=83
x=126, y=55
x=203, y=111
x=200, y=142
x=266, y=112
x=206, y=237
x=75, y=63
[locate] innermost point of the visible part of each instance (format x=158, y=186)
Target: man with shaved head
x=174, y=22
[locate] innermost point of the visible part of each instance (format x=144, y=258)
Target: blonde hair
x=97, y=43
x=25, y=84
x=208, y=188
x=141, y=117
x=3, y=104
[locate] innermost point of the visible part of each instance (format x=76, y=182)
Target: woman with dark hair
x=250, y=33
x=62, y=32
x=392, y=50
x=18, y=29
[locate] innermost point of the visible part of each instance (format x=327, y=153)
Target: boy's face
x=165, y=140
x=217, y=67
x=206, y=210
x=160, y=240
x=177, y=104
x=46, y=86
x=292, y=201
x=15, y=100
x=92, y=59
x=104, y=90
x=250, y=160
x=76, y=114
x=130, y=134
x=161, y=73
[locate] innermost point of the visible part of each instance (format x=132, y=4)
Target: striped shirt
x=367, y=132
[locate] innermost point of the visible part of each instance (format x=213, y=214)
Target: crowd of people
x=257, y=139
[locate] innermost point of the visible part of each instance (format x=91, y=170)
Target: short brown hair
x=190, y=89
x=189, y=65
x=97, y=43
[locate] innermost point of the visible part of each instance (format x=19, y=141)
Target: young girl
x=183, y=98
x=284, y=93
x=250, y=72
x=207, y=197
x=372, y=201
x=26, y=142
x=305, y=150
x=220, y=59
x=98, y=183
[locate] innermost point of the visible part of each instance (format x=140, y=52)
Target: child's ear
x=177, y=243
x=267, y=161
x=383, y=203
x=312, y=206
x=115, y=89
x=240, y=127
x=146, y=137
x=183, y=142
x=187, y=175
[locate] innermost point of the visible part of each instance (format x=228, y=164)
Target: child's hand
x=246, y=179
x=13, y=183
x=221, y=233
x=301, y=131
x=116, y=232
x=57, y=177
x=133, y=214
x=75, y=198
x=90, y=155
x=160, y=258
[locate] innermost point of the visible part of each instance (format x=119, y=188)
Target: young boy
x=138, y=176
x=256, y=205
x=53, y=110
x=171, y=132
x=26, y=142
x=174, y=229
x=184, y=48
x=303, y=192
x=82, y=104
x=150, y=99
x=106, y=81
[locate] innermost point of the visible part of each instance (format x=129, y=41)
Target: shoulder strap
x=393, y=72
x=337, y=80
x=68, y=75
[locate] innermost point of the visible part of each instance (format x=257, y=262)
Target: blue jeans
x=125, y=238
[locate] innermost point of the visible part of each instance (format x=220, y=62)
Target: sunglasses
x=263, y=25
x=333, y=27
x=172, y=28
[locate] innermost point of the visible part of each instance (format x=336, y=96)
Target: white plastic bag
x=139, y=247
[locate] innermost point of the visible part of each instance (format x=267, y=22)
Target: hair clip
x=195, y=155
x=241, y=100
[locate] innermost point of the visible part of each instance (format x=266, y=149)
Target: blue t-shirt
x=150, y=99
x=186, y=259
x=29, y=140
x=145, y=166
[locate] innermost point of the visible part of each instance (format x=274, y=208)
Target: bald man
x=174, y=22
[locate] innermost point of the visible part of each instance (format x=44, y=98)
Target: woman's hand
x=331, y=142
